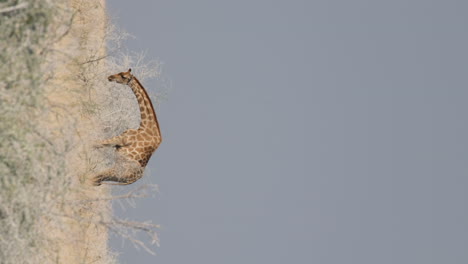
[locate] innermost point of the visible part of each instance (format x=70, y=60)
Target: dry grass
x=55, y=102
x=26, y=171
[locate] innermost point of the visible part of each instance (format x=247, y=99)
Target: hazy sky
x=324, y=132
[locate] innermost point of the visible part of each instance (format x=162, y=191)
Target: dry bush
x=118, y=111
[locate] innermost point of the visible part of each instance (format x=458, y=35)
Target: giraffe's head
x=122, y=77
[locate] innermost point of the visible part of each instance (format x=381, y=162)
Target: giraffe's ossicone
x=134, y=147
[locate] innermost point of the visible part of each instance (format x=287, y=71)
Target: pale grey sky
x=328, y=132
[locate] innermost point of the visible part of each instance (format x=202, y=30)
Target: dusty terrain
x=78, y=231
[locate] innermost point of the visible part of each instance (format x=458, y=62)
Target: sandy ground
x=80, y=236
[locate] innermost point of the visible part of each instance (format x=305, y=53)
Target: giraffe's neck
x=149, y=121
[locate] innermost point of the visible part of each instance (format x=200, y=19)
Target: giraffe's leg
x=120, y=140
x=127, y=172
x=125, y=179
x=113, y=141
x=107, y=174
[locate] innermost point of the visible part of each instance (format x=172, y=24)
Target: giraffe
x=134, y=147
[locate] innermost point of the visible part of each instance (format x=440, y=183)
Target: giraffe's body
x=135, y=146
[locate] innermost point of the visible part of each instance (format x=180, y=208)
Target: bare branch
x=13, y=8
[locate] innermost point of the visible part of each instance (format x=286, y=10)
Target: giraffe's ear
x=129, y=70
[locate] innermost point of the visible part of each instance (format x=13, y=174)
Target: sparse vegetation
x=55, y=102
x=26, y=170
